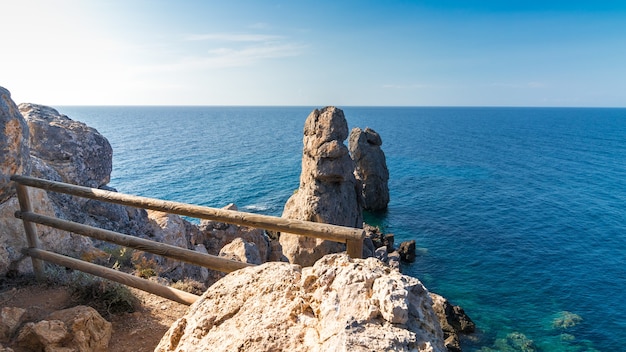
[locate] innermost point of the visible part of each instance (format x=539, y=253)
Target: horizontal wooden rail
x=166, y=250
x=352, y=236
x=114, y=275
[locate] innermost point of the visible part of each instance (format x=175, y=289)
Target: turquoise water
x=519, y=213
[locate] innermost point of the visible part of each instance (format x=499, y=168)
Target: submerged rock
x=328, y=187
x=339, y=304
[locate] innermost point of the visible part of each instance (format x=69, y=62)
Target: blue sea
x=519, y=214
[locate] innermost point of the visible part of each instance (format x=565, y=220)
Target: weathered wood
x=298, y=227
x=30, y=229
x=166, y=250
x=114, y=275
x=355, y=248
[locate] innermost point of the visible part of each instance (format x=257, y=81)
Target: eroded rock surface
x=371, y=167
x=339, y=304
x=328, y=187
x=14, y=148
x=76, y=151
x=79, y=328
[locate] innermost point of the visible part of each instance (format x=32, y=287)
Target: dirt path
x=139, y=331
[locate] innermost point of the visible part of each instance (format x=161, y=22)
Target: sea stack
x=371, y=168
x=328, y=191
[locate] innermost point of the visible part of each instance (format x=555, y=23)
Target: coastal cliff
x=381, y=306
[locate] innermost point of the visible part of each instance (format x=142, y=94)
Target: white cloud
x=231, y=37
x=406, y=86
x=224, y=57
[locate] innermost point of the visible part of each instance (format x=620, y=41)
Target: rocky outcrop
x=77, y=152
x=75, y=329
x=14, y=151
x=339, y=304
x=14, y=158
x=407, y=251
x=328, y=188
x=69, y=151
x=371, y=167
x=453, y=321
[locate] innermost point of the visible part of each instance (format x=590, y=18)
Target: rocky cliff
x=334, y=304
x=339, y=304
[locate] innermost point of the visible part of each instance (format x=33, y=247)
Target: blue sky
x=315, y=53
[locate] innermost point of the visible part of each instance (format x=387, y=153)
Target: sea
x=519, y=214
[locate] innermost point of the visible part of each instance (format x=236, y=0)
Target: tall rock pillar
x=371, y=167
x=328, y=192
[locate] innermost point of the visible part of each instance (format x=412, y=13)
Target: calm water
x=520, y=214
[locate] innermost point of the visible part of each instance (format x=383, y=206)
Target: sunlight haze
x=417, y=53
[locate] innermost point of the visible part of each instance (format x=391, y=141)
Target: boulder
x=10, y=320
x=407, y=251
x=14, y=148
x=242, y=251
x=371, y=167
x=215, y=235
x=77, y=152
x=75, y=329
x=453, y=321
x=328, y=187
x=88, y=330
x=339, y=304
x=43, y=335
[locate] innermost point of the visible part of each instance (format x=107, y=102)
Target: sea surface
x=519, y=214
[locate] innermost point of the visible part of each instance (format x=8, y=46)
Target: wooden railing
x=351, y=236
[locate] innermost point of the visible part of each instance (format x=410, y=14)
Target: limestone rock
x=328, y=187
x=215, y=235
x=242, y=251
x=76, y=151
x=41, y=335
x=14, y=147
x=88, y=330
x=453, y=321
x=339, y=304
x=13, y=238
x=371, y=167
x=10, y=320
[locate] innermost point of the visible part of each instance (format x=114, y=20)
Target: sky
x=315, y=53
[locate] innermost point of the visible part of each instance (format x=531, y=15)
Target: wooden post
x=355, y=248
x=30, y=229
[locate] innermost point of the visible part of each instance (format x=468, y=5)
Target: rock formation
x=339, y=304
x=14, y=144
x=327, y=191
x=453, y=321
x=77, y=152
x=14, y=151
x=371, y=168
x=75, y=329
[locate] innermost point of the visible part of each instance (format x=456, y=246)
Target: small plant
x=189, y=285
x=144, y=267
x=107, y=297
x=119, y=257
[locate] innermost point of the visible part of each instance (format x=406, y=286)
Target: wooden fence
x=351, y=236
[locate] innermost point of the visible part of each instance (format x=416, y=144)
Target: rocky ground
x=140, y=331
